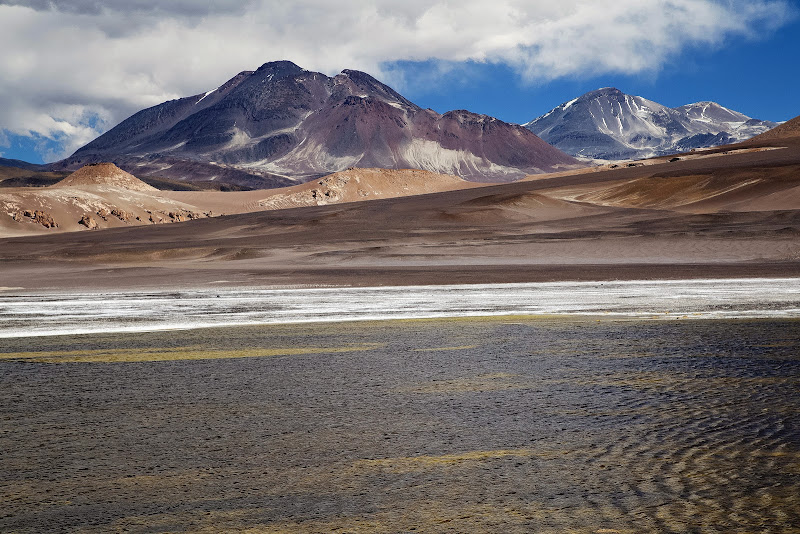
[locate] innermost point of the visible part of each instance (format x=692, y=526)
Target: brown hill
x=354, y=185
x=66, y=206
x=19, y=177
x=790, y=128
x=104, y=174
x=726, y=215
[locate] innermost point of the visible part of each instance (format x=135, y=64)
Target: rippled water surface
x=449, y=425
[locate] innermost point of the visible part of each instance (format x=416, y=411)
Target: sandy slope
x=352, y=185
x=108, y=206
x=788, y=129
x=723, y=189
x=114, y=198
x=735, y=214
x=104, y=174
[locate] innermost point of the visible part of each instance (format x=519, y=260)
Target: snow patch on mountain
x=430, y=155
x=312, y=158
x=204, y=96
x=608, y=124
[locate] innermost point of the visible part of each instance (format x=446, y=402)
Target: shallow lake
x=499, y=424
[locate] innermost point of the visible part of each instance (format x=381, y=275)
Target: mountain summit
x=281, y=124
x=609, y=124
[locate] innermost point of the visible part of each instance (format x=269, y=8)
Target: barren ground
x=734, y=214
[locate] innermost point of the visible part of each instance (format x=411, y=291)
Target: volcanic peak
x=279, y=68
x=357, y=83
x=603, y=91
x=282, y=123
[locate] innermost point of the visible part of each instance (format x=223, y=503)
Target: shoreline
x=506, y=319
x=37, y=314
x=72, y=277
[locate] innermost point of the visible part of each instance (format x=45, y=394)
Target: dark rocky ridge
x=281, y=124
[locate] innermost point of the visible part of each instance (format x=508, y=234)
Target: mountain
x=19, y=164
x=608, y=124
x=282, y=124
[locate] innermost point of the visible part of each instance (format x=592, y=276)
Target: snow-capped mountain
x=608, y=124
x=282, y=124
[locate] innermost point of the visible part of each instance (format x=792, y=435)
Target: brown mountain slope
x=351, y=185
x=790, y=128
x=752, y=189
x=354, y=185
x=513, y=232
x=113, y=198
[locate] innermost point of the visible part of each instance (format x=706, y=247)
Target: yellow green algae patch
x=432, y=515
x=437, y=349
x=516, y=318
x=161, y=354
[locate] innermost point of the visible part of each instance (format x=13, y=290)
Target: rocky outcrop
x=183, y=216
x=37, y=216
x=89, y=222
x=122, y=215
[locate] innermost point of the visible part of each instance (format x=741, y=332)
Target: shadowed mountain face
x=282, y=124
x=608, y=124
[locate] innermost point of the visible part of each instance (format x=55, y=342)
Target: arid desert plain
x=609, y=350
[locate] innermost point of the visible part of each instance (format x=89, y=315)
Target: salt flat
x=58, y=313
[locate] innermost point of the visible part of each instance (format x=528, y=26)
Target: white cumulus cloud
x=73, y=68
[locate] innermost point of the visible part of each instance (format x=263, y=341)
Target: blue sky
x=75, y=68
x=759, y=77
